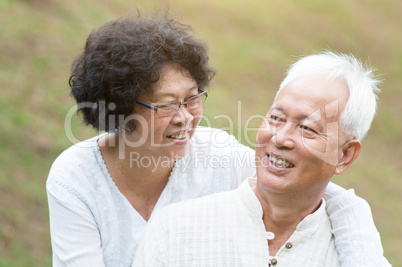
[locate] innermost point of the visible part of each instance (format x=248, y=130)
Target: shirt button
x=289, y=245
x=274, y=261
x=270, y=235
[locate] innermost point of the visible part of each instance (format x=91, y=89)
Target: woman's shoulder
x=216, y=139
x=205, y=132
x=213, y=137
x=77, y=160
x=79, y=151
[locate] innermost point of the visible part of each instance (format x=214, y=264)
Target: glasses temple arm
x=145, y=105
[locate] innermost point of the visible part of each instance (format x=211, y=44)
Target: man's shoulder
x=216, y=200
x=201, y=208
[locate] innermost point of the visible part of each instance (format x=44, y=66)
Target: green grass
x=251, y=45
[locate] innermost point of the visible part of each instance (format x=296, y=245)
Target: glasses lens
x=196, y=101
x=168, y=109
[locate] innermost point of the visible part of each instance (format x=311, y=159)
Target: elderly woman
x=142, y=80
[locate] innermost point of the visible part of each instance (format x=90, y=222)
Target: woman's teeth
x=178, y=136
x=282, y=163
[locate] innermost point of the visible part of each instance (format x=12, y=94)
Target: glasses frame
x=155, y=107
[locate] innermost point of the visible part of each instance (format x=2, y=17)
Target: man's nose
x=284, y=136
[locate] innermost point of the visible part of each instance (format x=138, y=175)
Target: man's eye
x=275, y=118
x=304, y=127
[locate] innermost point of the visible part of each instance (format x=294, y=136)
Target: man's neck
x=282, y=213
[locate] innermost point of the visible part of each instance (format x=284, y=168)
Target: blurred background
x=251, y=45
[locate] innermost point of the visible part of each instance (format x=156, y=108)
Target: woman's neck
x=141, y=185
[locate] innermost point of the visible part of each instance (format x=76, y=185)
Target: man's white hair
x=361, y=107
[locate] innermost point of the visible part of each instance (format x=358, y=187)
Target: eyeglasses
x=170, y=108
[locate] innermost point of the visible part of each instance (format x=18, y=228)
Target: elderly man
x=323, y=109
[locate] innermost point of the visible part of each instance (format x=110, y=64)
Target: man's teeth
x=280, y=162
x=178, y=136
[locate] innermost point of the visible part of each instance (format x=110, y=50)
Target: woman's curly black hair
x=124, y=57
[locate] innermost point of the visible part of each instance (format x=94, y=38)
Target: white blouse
x=93, y=224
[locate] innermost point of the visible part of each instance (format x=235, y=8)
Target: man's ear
x=350, y=152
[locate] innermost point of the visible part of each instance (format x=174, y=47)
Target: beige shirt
x=226, y=229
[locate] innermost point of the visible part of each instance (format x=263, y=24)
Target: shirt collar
x=249, y=199
x=308, y=225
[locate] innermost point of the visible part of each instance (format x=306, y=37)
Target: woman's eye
x=190, y=98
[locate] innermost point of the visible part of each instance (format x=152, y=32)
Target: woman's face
x=167, y=137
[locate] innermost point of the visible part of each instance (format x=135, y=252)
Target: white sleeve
x=356, y=238
x=152, y=249
x=74, y=233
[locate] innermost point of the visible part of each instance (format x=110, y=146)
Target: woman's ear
x=350, y=152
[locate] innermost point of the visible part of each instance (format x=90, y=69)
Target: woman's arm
x=73, y=230
x=356, y=238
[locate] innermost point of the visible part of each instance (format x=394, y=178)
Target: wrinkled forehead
x=310, y=93
x=325, y=76
x=318, y=87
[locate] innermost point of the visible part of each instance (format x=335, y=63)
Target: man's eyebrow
x=301, y=116
x=315, y=118
x=277, y=108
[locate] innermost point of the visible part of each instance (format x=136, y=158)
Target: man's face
x=298, y=143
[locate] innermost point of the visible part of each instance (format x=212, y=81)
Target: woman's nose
x=183, y=115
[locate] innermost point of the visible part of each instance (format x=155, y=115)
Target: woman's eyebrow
x=167, y=94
